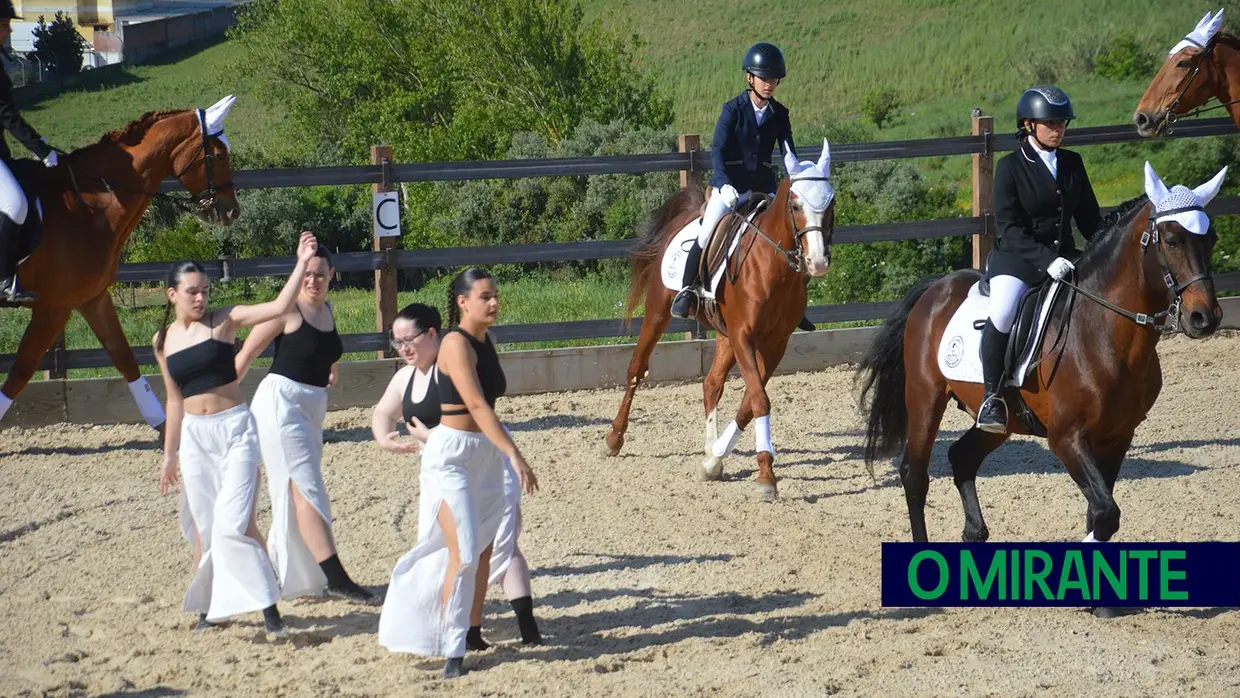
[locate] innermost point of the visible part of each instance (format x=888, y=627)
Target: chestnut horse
x=760, y=301
x=1204, y=65
x=1147, y=269
x=91, y=203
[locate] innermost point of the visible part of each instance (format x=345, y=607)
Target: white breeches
x=1005, y=293
x=12, y=199
x=718, y=203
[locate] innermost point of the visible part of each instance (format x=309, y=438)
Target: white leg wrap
x=712, y=430
x=727, y=442
x=148, y=402
x=762, y=434
x=5, y=403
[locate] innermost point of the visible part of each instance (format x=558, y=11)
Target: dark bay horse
x=1098, y=374
x=91, y=204
x=760, y=301
x=1204, y=65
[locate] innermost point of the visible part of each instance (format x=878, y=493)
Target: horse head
x=1191, y=75
x=201, y=163
x=811, y=207
x=1180, y=231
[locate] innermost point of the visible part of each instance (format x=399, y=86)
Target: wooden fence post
x=385, y=275
x=983, y=189
x=690, y=143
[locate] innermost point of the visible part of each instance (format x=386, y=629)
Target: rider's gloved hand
x=51, y=160
x=1059, y=268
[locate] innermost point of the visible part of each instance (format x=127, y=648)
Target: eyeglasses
x=399, y=344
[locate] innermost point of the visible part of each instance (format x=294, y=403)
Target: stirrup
x=686, y=300
x=997, y=428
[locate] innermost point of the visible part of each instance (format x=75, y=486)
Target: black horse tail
x=882, y=395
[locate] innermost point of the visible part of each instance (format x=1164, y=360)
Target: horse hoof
x=765, y=492
x=614, y=443
x=712, y=469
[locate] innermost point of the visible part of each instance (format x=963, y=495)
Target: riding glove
x=1059, y=268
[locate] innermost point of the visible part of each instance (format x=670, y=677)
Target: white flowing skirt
x=219, y=471
x=464, y=471
x=290, y=417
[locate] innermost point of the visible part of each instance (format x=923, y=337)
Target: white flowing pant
x=1005, y=293
x=464, y=471
x=219, y=468
x=290, y=417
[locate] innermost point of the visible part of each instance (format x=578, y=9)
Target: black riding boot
x=685, y=303
x=10, y=247
x=992, y=415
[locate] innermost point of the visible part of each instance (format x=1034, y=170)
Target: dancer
x=289, y=407
x=211, y=439
x=462, y=501
x=412, y=397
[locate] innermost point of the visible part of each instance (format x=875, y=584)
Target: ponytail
x=163, y=329
x=461, y=284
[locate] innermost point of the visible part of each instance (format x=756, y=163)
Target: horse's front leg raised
x=756, y=368
x=45, y=325
x=100, y=314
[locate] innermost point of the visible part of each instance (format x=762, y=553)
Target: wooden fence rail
x=384, y=260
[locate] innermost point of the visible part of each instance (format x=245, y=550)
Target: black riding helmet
x=765, y=61
x=7, y=11
x=1043, y=102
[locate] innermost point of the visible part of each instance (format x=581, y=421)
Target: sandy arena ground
x=647, y=582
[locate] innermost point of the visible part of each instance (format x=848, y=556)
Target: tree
x=59, y=45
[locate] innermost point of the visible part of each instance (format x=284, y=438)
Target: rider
x=1039, y=187
x=749, y=127
x=12, y=198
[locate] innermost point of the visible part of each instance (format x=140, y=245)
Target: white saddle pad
x=959, y=351
x=677, y=253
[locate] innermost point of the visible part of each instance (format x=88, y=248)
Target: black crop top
x=427, y=410
x=203, y=367
x=490, y=376
x=307, y=354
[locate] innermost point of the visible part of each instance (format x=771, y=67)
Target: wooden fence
x=384, y=260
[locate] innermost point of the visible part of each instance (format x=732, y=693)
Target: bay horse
x=1204, y=65
x=91, y=204
x=1147, y=270
x=760, y=301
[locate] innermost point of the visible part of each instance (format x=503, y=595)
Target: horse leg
x=756, y=370
x=712, y=392
x=923, y=426
x=45, y=326
x=966, y=456
x=1077, y=454
x=653, y=324
x=100, y=314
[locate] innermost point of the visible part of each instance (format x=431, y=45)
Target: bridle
x=203, y=201
x=1165, y=319
x=795, y=258
x=1198, y=62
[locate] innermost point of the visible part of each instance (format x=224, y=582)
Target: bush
x=59, y=46
x=1124, y=59
x=879, y=106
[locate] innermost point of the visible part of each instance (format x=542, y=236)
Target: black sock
x=272, y=616
x=524, y=608
x=474, y=641
x=336, y=576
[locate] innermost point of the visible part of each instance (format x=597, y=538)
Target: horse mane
x=1112, y=230
x=133, y=132
x=1229, y=39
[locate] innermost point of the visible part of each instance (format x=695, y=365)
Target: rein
x=1163, y=319
x=795, y=258
x=194, y=203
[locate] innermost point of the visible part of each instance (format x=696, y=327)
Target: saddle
x=731, y=224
